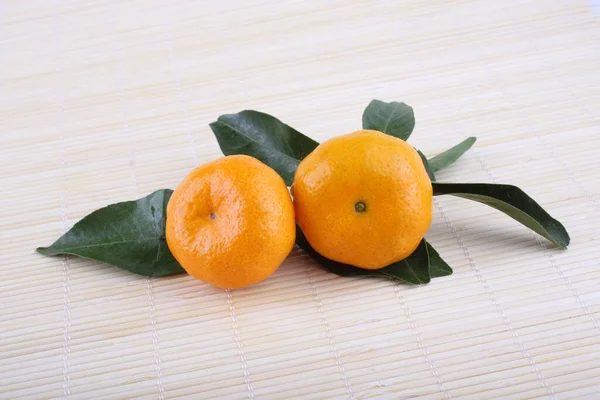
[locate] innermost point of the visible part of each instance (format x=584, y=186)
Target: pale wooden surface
x=107, y=101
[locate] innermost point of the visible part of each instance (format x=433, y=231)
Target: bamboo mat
x=109, y=100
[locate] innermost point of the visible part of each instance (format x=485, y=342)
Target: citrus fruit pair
x=362, y=199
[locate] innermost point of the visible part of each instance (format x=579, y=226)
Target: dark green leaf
x=129, y=235
x=513, y=202
x=395, y=119
x=448, y=157
x=413, y=270
x=264, y=137
x=427, y=166
x=437, y=266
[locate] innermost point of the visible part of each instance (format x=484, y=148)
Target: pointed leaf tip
x=437, y=266
x=450, y=156
x=129, y=235
x=512, y=201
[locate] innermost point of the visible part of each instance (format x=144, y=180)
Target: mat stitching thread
x=332, y=343
x=491, y=294
x=182, y=103
x=240, y=345
x=131, y=151
x=66, y=306
x=540, y=137
x=549, y=149
x=413, y=326
x=494, y=301
x=63, y=211
x=566, y=168
x=155, y=342
x=553, y=263
x=420, y=342
x=180, y=96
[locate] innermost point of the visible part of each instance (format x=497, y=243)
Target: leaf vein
x=257, y=142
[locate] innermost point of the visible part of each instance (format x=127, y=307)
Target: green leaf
x=513, y=202
x=427, y=166
x=264, y=137
x=129, y=235
x=437, y=266
x=449, y=157
x=414, y=269
x=395, y=119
